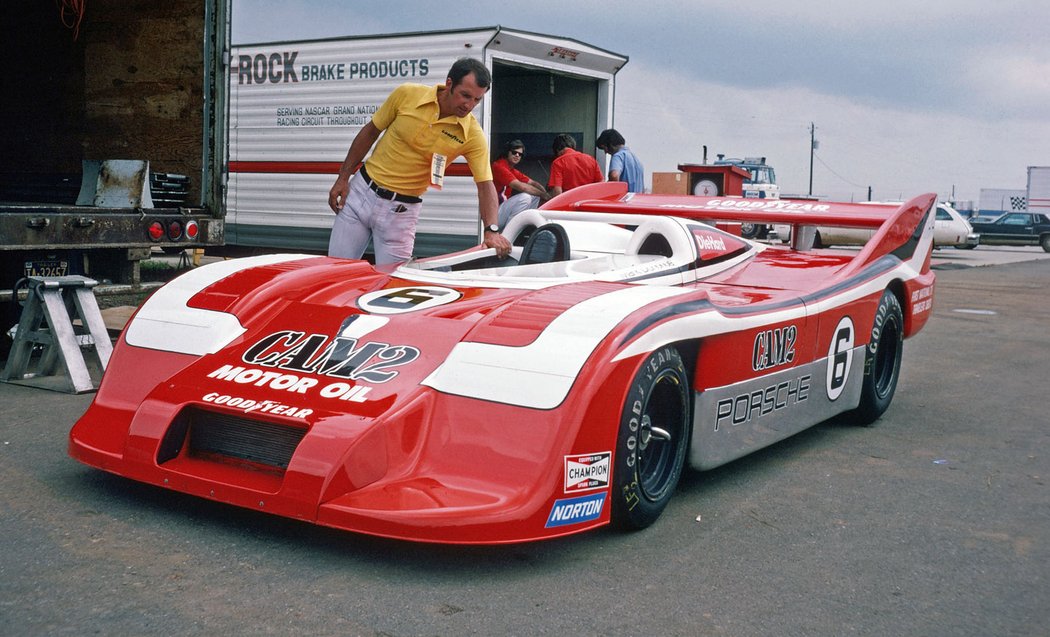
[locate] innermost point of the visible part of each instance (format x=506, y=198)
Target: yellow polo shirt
x=412, y=134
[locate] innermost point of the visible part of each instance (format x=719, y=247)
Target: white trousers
x=391, y=225
x=515, y=204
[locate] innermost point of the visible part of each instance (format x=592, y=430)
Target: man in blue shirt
x=624, y=165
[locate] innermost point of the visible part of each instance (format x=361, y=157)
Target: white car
x=950, y=229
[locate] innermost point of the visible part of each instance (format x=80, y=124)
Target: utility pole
x=812, y=147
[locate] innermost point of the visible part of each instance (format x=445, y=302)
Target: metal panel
x=297, y=201
x=732, y=421
x=1039, y=189
x=558, y=54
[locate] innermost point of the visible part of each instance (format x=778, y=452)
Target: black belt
x=383, y=193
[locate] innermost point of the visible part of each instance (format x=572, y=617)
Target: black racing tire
x=651, y=445
x=1044, y=242
x=882, y=360
x=965, y=246
x=816, y=240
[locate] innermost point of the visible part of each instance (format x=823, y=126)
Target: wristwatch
x=492, y=228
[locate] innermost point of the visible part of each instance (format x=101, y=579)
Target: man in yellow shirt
x=426, y=128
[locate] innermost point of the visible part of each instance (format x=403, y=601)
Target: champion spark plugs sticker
x=587, y=471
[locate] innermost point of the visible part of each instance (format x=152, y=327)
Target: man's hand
x=363, y=141
x=488, y=208
x=499, y=242
x=337, y=195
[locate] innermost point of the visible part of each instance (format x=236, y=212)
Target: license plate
x=47, y=267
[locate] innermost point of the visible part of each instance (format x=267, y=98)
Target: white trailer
x=296, y=106
x=996, y=201
x=1039, y=189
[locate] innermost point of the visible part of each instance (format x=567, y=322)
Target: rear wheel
x=1044, y=241
x=882, y=360
x=652, y=440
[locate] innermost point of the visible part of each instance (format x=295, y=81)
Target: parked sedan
x=950, y=229
x=1016, y=229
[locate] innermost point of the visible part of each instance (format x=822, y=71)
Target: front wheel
x=652, y=440
x=882, y=360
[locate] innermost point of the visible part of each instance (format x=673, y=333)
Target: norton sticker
x=401, y=300
x=576, y=510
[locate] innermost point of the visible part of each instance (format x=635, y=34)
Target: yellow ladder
x=46, y=335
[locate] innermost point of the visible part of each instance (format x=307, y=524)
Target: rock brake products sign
x=281, y=67
x=288, y=67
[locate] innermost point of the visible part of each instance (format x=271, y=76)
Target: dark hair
x=464, y=67
x=563, y=141
x=609, y=138
x=511, y=145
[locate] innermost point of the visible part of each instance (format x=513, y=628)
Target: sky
x=945, y=96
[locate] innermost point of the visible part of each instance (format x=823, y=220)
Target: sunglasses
x=517, y=153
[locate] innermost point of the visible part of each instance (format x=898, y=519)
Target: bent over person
x=424, y=128
x=571, y=168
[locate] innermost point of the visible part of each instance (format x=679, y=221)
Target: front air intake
x=224, y=437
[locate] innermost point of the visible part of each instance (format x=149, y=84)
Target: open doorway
x=535, y=105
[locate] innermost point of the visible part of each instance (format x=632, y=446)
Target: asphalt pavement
x=935, y=521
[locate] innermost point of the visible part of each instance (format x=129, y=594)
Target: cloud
x=1012, y=78
x=667, y=119
x=906, y=97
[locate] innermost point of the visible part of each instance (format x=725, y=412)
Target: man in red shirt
x=570, y=167
x=516, y=190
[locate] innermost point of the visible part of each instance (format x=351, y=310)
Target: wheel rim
x=886, y=356
x=662, y=427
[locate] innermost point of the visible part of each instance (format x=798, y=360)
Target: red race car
x=468, y=399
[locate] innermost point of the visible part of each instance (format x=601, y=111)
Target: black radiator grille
x=211, y=434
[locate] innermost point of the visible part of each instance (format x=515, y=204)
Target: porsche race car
x=468, y=399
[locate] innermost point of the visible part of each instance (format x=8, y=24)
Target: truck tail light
x=156, y=231
x=192, y=230
x=174, y=230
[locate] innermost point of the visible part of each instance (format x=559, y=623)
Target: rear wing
x=905, y=230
